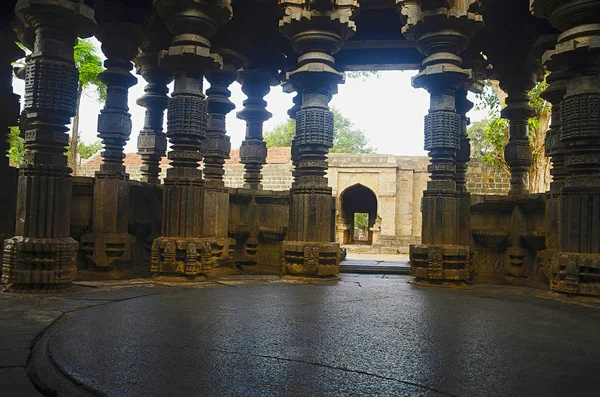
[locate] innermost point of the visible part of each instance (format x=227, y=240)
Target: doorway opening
x=358, y=211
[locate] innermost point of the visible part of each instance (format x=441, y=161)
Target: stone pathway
x=375, y=264
x=264, y=335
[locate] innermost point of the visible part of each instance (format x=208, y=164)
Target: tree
x=89, y=64
x=490, y=135
x=346, y=137
x=16, y=147
x=86, y=151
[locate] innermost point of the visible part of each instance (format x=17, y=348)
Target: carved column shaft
x=109, y=238
x=218, y=145
x=256, y=84
x=556, y=151
x=518, y=152
x=43, y=254
x=442, y=34
x=463, y=105
x=317, y=31
x=152, y=141
x=9, y=103
x=576, y=267
x=192, y=24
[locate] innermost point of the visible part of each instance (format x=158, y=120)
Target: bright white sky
x=388, y=109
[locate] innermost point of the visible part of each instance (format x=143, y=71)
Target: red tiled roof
x=278, y=155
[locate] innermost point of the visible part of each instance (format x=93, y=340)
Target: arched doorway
x=358, y=213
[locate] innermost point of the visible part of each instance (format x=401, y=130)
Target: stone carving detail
x=443, y=263
x=576, y=273
x=314, y=127
x=43, y=255
x=440, y=130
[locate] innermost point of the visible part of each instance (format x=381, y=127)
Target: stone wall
x=398, y=183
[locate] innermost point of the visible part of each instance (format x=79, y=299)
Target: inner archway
x=354, y=202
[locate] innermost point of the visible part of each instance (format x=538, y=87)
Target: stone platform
x=375, y=264
x=359, y=335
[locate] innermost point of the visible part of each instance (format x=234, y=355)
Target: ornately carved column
x=9, y=116
x=576, y=268
x=42, y=255
x=317, y=30
x=217, y=146
x=112, y=244
x=517, y=153
x=441, y=31
x=152, y=141
x=216, y=149
x=463, y=105
x=555, y=150
x=181, y=248
x=253, y=152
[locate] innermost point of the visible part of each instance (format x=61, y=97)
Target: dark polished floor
x=364, y=335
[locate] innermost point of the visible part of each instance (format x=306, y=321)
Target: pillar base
x=39, y=263
x=190, y=256
x=313, y=259
x=440, y=262
x=575, y=273
x=106, y=250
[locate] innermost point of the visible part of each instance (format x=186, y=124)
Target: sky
x=388, y=109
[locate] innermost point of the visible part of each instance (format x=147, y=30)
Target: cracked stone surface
x=363, y=335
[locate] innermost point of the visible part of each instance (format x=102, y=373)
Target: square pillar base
x=440, y=262
x=39, y=263
x=190, y=256
x=313, y=259
x=575, y=273
x=106, y=250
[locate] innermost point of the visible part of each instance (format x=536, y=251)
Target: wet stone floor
x=269, y=336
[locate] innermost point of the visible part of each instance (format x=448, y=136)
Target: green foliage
x=281, y=135
x=16, y=147
x=89, y=65
x=361, y=220
x=86, y=151
x=346, y=137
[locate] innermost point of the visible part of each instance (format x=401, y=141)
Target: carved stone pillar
x=217, y=146
x=152, y=141
x=555, y=150
x=42, y=255
x=518, y=152
x=441, y=32
x=317, y=31
x=253, y=152
x=112, y=244
x=9, y=116
x=576, y=268
x=216, y=149
x=463, y=105
x=181, y=248
x=297, y=100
